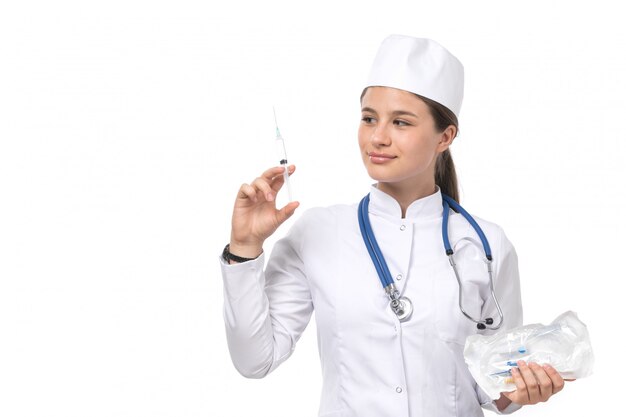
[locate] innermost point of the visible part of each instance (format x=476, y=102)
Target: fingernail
x=270, y=197
x=521, y=363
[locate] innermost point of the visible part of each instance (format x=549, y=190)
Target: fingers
x=534, y=383
x=520, y=395
x=279, y=179
x=267, y=185
x=247, y=191
x=287, y=211
x=254, y=190
x=274, y=172
x=262, y=186
x=532, y=387
x=544, y=382
x=557, y=381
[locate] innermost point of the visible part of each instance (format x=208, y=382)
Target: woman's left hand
x=535, y=383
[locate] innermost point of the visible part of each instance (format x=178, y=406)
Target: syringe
x=280, y=145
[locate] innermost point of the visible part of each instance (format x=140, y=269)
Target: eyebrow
x=394, y=113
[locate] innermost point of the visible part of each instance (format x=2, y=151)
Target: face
x=398, y=139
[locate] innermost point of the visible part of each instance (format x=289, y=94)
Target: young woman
x=394, y=349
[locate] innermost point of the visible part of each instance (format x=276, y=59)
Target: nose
x=380, y=135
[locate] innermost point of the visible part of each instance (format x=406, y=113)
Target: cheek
x=425, y=147
x=422, y=154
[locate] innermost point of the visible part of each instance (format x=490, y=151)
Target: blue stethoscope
x=402, y=305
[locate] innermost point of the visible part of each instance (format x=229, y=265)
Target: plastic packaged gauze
x=564, y=344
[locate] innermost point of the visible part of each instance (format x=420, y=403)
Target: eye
x=367, y=119
x=401, y=123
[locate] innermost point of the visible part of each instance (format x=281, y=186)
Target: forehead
x=392, y=99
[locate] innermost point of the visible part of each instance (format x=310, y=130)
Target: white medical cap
x=420, y=66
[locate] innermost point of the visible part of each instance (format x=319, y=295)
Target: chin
x=379, y=176
x=375, y=176
x=383, y=180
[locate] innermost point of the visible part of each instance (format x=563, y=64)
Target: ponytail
x=445, y=173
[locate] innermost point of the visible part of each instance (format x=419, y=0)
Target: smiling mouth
x=380, y=155
x=379, y=158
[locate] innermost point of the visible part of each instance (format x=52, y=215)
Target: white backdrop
x=126, y=128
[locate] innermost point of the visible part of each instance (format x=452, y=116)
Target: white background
x=126, y=128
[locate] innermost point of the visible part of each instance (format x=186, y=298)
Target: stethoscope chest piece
x=402, y=307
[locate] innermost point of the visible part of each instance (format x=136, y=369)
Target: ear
x=446, y=138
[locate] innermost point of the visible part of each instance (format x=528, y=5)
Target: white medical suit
x=372, y=364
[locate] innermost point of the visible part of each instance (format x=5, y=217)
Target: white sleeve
x=265, y=313
x=507, y=288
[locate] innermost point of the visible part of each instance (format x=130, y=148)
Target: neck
x=405, y=195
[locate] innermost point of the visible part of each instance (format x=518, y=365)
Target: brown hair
x=445, y=173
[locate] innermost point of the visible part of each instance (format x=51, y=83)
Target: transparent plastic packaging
x=564, y=344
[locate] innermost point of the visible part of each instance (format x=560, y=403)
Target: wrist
x=245, y=249
x=502, y=402
x=235, y=253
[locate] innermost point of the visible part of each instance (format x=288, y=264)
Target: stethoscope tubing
x=449, y=201
x=385, y=275
x=372, y=245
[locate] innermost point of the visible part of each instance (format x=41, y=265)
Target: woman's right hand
x=255, y=216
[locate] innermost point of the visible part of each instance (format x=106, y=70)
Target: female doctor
x=381, y=358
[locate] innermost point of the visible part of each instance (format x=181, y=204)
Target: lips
x=380, y=158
